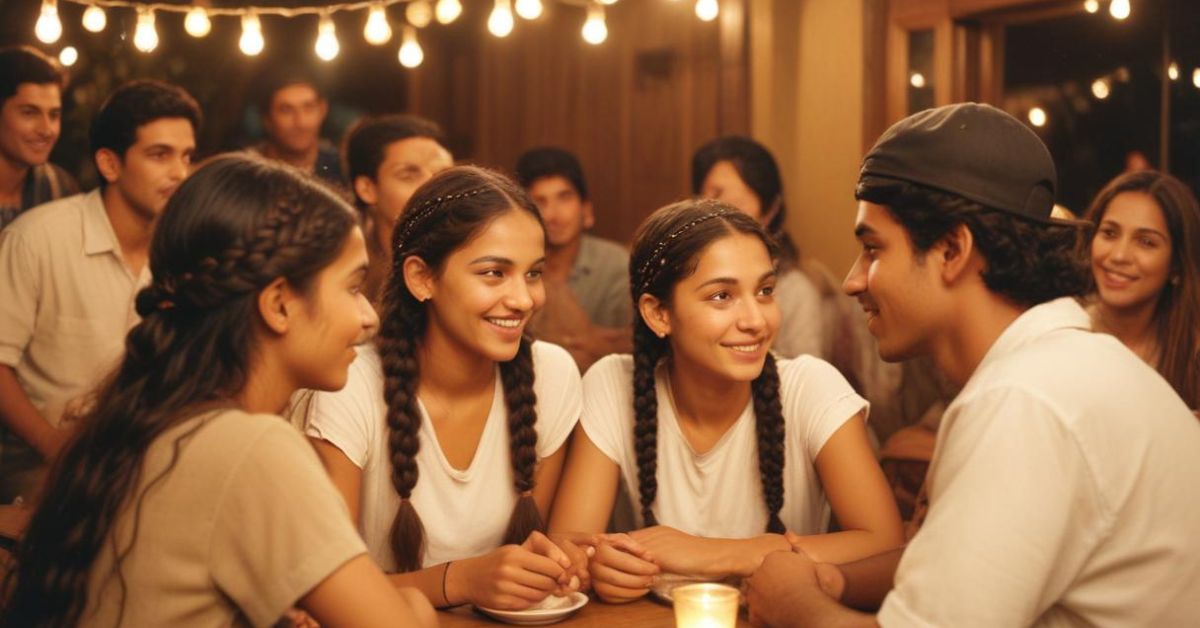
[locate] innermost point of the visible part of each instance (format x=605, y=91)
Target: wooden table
x=644, y=613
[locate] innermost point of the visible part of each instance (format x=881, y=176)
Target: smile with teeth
x=746, y=348
x=1117, y=276
x=509, y=323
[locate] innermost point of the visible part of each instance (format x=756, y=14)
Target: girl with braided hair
x=722, y=444
x=448, y=440
x=183, y=499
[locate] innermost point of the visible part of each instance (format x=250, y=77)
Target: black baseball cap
x=972, y=150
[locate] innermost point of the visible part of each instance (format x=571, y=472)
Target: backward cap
x=973, y=150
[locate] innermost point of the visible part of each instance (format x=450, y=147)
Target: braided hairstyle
x=666, y=250
x=443, y=215
x=232, y=228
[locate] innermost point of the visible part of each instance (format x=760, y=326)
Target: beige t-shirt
x=244, y=524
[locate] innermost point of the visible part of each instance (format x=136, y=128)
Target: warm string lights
x=376, y=30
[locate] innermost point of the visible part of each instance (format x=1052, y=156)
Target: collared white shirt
x=68, y=300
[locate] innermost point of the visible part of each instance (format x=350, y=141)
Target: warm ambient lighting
x=68, y=56
x=1100, y=88
x=529, y=9
x=1173, y=71
x=707, y=10
x=145, y=36
x=595, y=31
x=94, y=19
x=48, y=28
x=1196, y=78
x=917, y=80
x=197, y=23
x=251, y=42
x=411, y=54
x=448, y=10
x=705, y=605
x=1037, y=117
x=1091, y=6
x=500, y=22
x=377, y=31
x=327, y=46
x=419, y=13
x=1119, y=9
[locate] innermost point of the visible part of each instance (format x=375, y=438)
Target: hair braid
x=769, y=426
x=647, y=350
x=517, y=376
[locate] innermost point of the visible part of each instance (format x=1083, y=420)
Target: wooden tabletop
x=644, y=613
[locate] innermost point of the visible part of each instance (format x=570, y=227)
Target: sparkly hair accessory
x=653, y=265
x=422, y=213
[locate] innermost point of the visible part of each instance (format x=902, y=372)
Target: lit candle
x=705, y=605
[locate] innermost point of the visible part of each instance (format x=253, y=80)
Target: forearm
x=18, y=415
x=817, y=610
x=429, y=581
x=869, y=580
x=845, y=546
x=741, y=557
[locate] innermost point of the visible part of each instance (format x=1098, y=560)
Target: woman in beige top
x=182, y=500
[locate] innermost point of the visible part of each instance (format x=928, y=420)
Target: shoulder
x=613, y=371
x=794, y=284
x=798, y=372
x=547, y=355
x=50, y=219
x=605, y=252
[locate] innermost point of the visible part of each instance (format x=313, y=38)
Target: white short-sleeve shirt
x=465, y=511
x=719, y=493
x=1063, y=491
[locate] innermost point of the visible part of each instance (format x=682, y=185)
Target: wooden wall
x=633, y=109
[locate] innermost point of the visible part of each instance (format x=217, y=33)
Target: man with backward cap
x=1063, y=489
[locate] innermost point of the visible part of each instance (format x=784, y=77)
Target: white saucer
x=552, y=609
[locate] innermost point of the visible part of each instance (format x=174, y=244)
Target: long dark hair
x=1178, y=308
x=666, y=250
x=233, y=227
x=444, y=214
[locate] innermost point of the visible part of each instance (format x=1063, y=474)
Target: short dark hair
x=276, y=80
x=136, y=104
x=369, y=138
x=24, y=64
x=1027, y=262
x=539, y=163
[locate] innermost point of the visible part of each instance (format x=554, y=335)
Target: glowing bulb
x=68, y=56
x=1091, y=6
x=1100, y=89
x=411, y=54
x=145, y=37
x=448, y=10
x=251, y=41
x=196, y=23
x=707, y=10
x=607, y=1
x=1196, y=77
x=377, y=31
x=500, y=22
x=1119, y=9
x=419, y=13
x=94, y=19
x=1037, y=117
x=595, y=31
x=529, y=9
x=327, y=42
x=917, y=80
x=48, y=28
x=1173, y=71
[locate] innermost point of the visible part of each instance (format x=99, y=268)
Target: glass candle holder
x=705, y=605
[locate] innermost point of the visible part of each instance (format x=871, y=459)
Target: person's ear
x=419, y=278
x=589, y=218
x=956, y=252
x=366, y=189
x=273, y=305
x=108, y=164
x=654, y=313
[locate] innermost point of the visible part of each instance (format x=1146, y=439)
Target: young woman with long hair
x=724, y=446
x=448, y=440
x=1145, y=257
x=183, y=499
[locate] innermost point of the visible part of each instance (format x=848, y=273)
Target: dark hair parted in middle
x=1027, y=262
x=666, y=250
x=539, y=163
x=447, y=212
x=136, y=104
x=368, y=141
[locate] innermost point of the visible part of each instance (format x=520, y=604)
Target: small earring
x=1175, y=280
x=662, y=334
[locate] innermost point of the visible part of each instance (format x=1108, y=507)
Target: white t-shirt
x=465, y=511
x=802, y=328
x=719, y=493
x=1063, y=491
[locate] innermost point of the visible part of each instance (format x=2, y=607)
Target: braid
x=647, y=349
x=768, y=421
x=517, y=377
x=401, y=374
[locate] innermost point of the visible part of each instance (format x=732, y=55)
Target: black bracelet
x=445, y=570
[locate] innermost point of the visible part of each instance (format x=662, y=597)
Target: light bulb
x=1100, y=89
x=1119, y=9
x=917, y=80
x=1173, y=71
x=607, y=1
x=419, y=13
x=707, y=10
x=377, y=31
x=251, y=41
x=327, y=43
x=411, y=54
x=94, y=19
x=145, y=37
x=595, y=31
x=1091, y=6
x=197, y=23
x=48, y=28
x=500, y=22
x=1037, y=117
x=1196, y=77
x=448, y=10
x=68, y=56
x=529, y=9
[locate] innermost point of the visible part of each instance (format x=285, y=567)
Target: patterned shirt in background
x=43, y=184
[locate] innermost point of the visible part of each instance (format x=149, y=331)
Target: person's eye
x=720, y=296
x=767, y=291
x=1149, y=243
x=1109, y=233
x=534, y=274
x=491, y=273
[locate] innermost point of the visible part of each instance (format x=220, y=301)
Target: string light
x=48, y=28
x=1091, y=6
x=917, y=80
x=94, y=19
x=197, y=23
x=1196, y=78
x=327, y=46
x=707, y=10
x=145, y=36
x=607, y=1
x=251, y=41
x=68, y=56
x=1037, y=117
x=500, y=22
x=411, y=54
x=377, y=31
x=448, y=10
x=419, y=13
x=595, y=31
x=1173, y=71
x=1119, y=9
x=1100, y=89
x=529, y=9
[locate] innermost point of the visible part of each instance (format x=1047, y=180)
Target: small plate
x=552, y=609
x=667, y=583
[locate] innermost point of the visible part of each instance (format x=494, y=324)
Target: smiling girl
x=447, y=442
x=1146, y=264
x=723, y=445
x=183, y=500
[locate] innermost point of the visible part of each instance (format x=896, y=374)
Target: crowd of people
x=302, y=384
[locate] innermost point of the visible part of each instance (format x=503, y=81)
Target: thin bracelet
x=445, y=570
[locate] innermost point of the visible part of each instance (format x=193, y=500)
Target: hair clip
x=647, y=279
x=426, y=209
